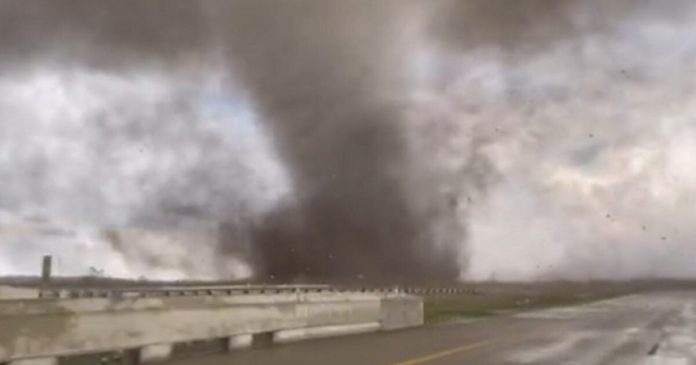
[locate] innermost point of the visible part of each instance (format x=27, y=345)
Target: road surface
x=653, y=328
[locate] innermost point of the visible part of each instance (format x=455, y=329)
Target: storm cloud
x=391, y=141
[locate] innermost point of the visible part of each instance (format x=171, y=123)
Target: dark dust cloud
x=326, y=78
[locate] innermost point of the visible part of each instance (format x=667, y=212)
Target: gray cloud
x=614, y=88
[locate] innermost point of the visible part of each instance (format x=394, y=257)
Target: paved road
x=655, y=328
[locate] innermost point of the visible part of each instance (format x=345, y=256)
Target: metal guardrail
x=444, y=291
x=71, y=293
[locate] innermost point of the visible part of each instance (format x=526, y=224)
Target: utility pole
x=46, y=267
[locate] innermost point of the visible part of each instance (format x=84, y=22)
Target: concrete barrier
x=41, y=330
x=11, y=292
x=237, y=342
x=298, y=334
x=401, y=311
x=39, y=361
x=156, y=353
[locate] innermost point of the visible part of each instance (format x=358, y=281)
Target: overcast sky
x=563, y=135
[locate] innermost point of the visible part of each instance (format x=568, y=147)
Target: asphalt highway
x=651, y=328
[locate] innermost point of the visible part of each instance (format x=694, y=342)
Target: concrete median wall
x=11, y=292
x=400, y=312
x=48, y=328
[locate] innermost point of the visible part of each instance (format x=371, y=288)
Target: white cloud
x=100, y=150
